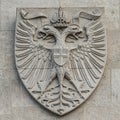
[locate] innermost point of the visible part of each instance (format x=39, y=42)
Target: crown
x=59, y=20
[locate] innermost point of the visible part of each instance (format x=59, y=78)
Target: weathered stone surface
x=7, y=50
x=8, y=16
x=23, y=99
x=60, y=59
x=92, y=3
x=113, y=55
x=112, y=17
x=5, y=93
x=11, y=108
x=114, y=113
x=115, y=85
x=97, y=113
x=102, y=96
x=19, y=113
x=6, y=117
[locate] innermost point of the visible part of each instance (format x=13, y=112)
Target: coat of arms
x=60, y=54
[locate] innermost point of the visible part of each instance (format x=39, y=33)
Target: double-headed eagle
x=60, y=50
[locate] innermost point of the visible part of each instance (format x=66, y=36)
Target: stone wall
x=17, y=104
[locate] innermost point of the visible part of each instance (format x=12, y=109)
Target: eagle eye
x=40, y=34
x=46, y=28
x=74, y=28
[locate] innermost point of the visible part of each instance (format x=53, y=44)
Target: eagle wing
x=33, y=61
x=88, y=60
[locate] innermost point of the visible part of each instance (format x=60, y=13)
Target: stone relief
x=60, y=54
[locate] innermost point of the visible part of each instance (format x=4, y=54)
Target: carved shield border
x=79, y=93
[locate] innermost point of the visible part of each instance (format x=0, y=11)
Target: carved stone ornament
x=60, y=54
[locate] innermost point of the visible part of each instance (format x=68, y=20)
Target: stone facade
x=17, y=104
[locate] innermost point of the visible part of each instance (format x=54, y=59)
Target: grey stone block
x=97, y=113
x=5, y=93
x=104, y=104
x=115, y=86
x=6, y=117
x=8, y=15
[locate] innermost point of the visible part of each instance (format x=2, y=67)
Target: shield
x=61, y=56
x=58, y=86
